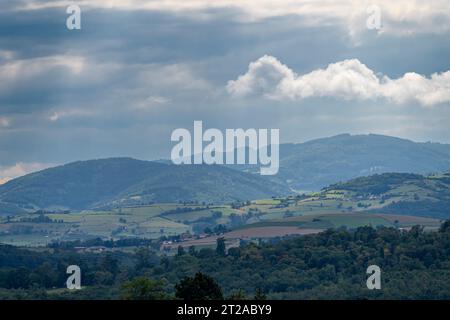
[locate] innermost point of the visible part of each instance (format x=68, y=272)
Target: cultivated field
x=265, y=218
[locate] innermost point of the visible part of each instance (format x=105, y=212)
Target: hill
x=397, y=200
x=318, y=163
x=397, y=193
x=306, y=166
x=125, y=181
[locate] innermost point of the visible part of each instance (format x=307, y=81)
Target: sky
x=138, y=69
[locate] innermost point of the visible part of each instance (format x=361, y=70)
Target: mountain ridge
x=115, y=181
x=318, y=163
x=308, y=166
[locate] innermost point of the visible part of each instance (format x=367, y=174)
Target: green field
x=338, y=206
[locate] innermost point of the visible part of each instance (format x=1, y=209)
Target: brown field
x=198, y=242
x=352, y=219
x=250, y=233
x=269, y=232
x=409, y=220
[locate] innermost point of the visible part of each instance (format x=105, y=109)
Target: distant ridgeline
x=318, y=163
x=120, y=182
x=310, y=166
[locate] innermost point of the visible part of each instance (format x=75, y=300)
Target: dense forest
x=331, y=265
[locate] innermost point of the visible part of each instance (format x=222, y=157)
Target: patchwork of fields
x=151, y=222
x=344, y=205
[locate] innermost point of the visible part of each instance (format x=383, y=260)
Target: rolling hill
x=318, y=163
x=308, y=166
x=108, y=182
x=401, y=193
x=398, y=200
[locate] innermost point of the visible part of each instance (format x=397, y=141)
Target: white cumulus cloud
x=347, y=80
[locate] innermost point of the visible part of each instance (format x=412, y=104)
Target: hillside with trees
x=329, y=265
x=113, y=182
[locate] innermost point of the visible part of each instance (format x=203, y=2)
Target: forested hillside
x=329, y=265
x=113, y=182
x=318, y=163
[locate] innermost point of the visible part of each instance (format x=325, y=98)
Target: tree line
x=415, y=264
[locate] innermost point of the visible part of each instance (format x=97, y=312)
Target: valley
x=378, y=200
x=353, y=181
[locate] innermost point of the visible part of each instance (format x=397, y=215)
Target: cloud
x=401, y=17
x=150, y=102
x=58, y=115
x=40, y=76
x=20, y=169
x=13, y=69
x=80, y=85
x=31, y=85
x=147, y=67
x=54, y=117
x=6, y=55
x=173, y=76
x=4, y=122
x=347, y=80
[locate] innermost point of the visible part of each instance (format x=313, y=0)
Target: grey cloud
x=131, y=56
